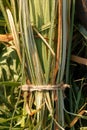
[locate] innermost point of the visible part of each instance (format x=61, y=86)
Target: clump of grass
x=45, y=28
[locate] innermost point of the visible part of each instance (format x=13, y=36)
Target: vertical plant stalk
x=68, y=80
x=50, y=42
x=64, y=39
x=69, y=44
x=62, y=57
x=59, y=42
x=48, y=69
x=58, y=57
x=32, y=58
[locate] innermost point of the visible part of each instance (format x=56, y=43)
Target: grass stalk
x=70, y=41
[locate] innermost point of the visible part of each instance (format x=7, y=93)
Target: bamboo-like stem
x=59, y=42
x=59, y=33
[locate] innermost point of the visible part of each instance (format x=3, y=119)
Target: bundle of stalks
x=45, y=30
